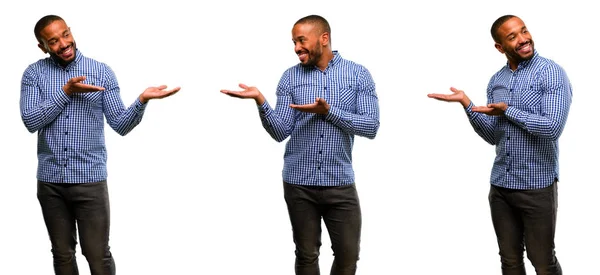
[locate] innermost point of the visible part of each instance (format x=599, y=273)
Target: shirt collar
x=525, y=63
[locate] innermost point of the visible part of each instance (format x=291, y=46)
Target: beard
x=514, y=54
x=313, y=57
x=60, y=60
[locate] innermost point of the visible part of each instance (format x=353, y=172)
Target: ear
x=499, y=47
x=325, y=39
x=42, y=48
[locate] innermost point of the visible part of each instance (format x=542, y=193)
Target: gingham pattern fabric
x=319, y=151
x=70, y=130
x=538, y=94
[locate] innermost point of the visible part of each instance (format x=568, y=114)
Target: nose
x=63, y=43
x=521, y=38
x=297, y=47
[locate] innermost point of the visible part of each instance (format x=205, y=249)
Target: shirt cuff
x=469, y=110
x=516, y=115
x=264, y=109
x=139, y=106
x=61, y=98
x=334, y=115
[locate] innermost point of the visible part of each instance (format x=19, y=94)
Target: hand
x=74, y=85
x=248, y=92
x=456, y=96
x=157, y=93
x=319, y=107
x=492, y=109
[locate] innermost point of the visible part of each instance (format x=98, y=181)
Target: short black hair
x=42, y=23
x=316, y=20
x=497, y=24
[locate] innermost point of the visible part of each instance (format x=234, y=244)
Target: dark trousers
x=525, y=220
x=340, y=209
x=83, y=206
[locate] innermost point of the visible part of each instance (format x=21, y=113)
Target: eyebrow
x=56, y=38
x=299, y=37
x=512, y=33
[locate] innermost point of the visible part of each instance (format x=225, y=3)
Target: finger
x=243, y=86
x=77, y=79
x=88, y=87
x=454, y=90
x=437, y=96
x=161, y=87
x=229, y=92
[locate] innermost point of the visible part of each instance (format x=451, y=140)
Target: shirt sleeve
x=120, y=119
x=483, y=124
x=555, y=105
x=279, y=122
x=365, y=122
x=37, y=112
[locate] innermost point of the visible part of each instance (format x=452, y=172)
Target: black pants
x=83, y=206
x=525, y=220
x=340, y=209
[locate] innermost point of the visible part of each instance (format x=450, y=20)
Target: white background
x=196, y=187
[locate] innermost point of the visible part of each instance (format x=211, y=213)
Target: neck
x=325, y=58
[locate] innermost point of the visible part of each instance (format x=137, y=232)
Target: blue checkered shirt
x=538, y=94
x=70, y=130
x=319, y=151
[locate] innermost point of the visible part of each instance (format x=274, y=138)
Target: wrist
x=465, y=102
x=67, y=89
x=143, y=100
x=260, y=99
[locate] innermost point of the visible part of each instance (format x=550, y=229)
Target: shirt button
x=318, y=168
x=320, y=152
x=507, y=170
x=65, y=165
x=65, y=149
x=66, y=133
x=321, y=135
x=507, y=154
x=507, y=138
x=325, y=88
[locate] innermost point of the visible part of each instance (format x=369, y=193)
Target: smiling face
x=309, y=42
x=56, y=39
x=515, y=41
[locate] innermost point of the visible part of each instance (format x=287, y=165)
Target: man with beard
x=528, y=105
x=322, y=102
x=65, y=98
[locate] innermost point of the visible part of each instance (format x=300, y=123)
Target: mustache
x=528, y=42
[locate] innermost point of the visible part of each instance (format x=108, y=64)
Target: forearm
x=272, y=122
x=37, y=113
x=482, y=124
x=538, y=125
x=123, y=120
x=365, y=125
